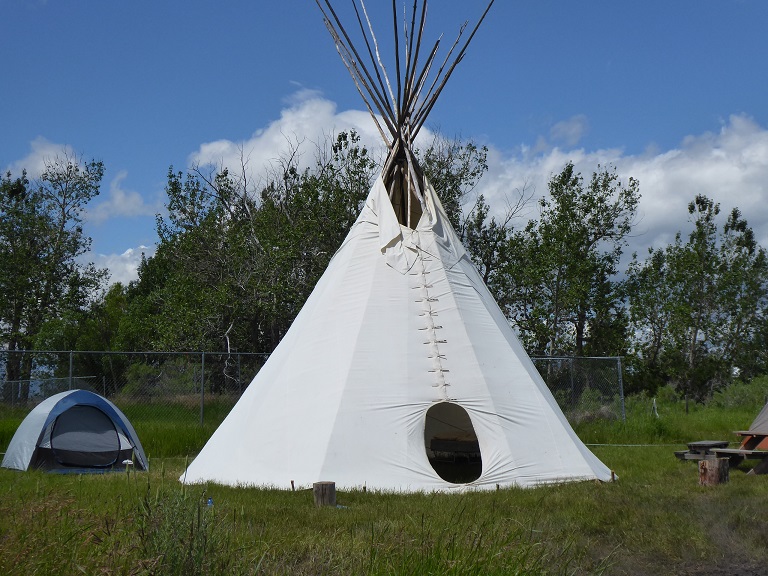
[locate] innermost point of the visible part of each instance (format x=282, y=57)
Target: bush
x=742, y=394
x=168, y=378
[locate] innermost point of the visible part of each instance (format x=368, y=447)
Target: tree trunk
x=324, y=493
x=713, y=471
x=581, y=321
x=26, y=377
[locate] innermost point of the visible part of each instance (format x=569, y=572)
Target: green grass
x=655, y=519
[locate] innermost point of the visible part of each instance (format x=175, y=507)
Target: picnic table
x=753, y=447
x=701, y=449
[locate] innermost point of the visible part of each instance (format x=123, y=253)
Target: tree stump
x=325, y=493
x=713, y=471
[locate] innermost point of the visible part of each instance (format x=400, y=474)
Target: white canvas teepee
x=399, y=324
x=400, y=372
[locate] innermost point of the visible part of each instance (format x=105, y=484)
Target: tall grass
x=669, y=419
x=655, y=519
x=148, y=524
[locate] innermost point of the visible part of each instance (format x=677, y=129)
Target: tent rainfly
x=75, y=431
x=400, y=373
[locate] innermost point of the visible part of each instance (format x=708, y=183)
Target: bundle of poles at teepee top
x=404, y=107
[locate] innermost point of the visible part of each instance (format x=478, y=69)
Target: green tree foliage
x=92, y=329
x=561, y=271
x=41, y=240
x=698, y=307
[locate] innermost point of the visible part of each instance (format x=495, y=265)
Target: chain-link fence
x=201, y=387
x=153, y=380
x=586, y=388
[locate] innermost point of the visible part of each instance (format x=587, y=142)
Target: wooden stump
x=325, y=493
x=713, y=471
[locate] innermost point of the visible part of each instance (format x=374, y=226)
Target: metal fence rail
x=129, y=378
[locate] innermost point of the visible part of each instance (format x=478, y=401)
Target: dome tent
x=75, y=431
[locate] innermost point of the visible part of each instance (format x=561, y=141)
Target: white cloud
x=123, y=267
x=729, y=166
x=569, y=132
x=121, y=202
x=308, y=120
x=42, y=151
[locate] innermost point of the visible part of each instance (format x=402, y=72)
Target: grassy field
x=655, y=519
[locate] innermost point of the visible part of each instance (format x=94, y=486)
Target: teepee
x=400, y=372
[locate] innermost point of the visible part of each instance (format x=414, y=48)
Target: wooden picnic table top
x=705, y=445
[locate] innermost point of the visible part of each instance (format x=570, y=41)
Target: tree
x=651, y=297
x=41, y=240
x=698, y=307
x=562, y=293
x=742, y=308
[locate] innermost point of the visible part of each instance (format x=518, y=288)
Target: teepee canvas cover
x=400, y=364
x=400, y=322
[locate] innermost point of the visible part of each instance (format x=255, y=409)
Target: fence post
x=621, y=390
x=202, y=388
x=71, y=363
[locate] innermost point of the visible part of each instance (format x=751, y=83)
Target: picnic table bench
x=737, y=455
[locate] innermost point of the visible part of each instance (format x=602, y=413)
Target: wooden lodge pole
x=325, y=493
x=713, y=471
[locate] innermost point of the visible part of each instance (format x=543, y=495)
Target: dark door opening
x=451, y=444
x=85, y=436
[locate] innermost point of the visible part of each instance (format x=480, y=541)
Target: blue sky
x=672, y=93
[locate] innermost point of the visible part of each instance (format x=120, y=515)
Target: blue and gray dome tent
x=75, y=431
